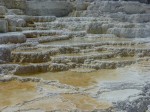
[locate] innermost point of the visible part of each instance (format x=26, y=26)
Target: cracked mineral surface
x=74, y=56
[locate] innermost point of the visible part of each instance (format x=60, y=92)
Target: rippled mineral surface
x=74, y=56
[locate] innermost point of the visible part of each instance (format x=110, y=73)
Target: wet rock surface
x=97, y=58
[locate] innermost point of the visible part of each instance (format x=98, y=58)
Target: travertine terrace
x=74, y=56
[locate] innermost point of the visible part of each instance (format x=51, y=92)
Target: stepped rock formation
x=75, y=55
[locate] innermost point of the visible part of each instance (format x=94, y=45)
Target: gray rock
x=140, y=18
x=31, y=69
x=3, y=26
x=30, y=57
x=5, y=54
x=3, y=10
x=6, y=69
x=14, y=4
x=98, y=28
x=12, y=38
x=38, y=18
x=55, y=67
x=130, y=32
x=114, y=7
x=14, y=20
x=15, y=11
x=136, y=103
x=54, y=8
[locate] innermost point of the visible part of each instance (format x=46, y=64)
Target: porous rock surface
x=74, y=55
